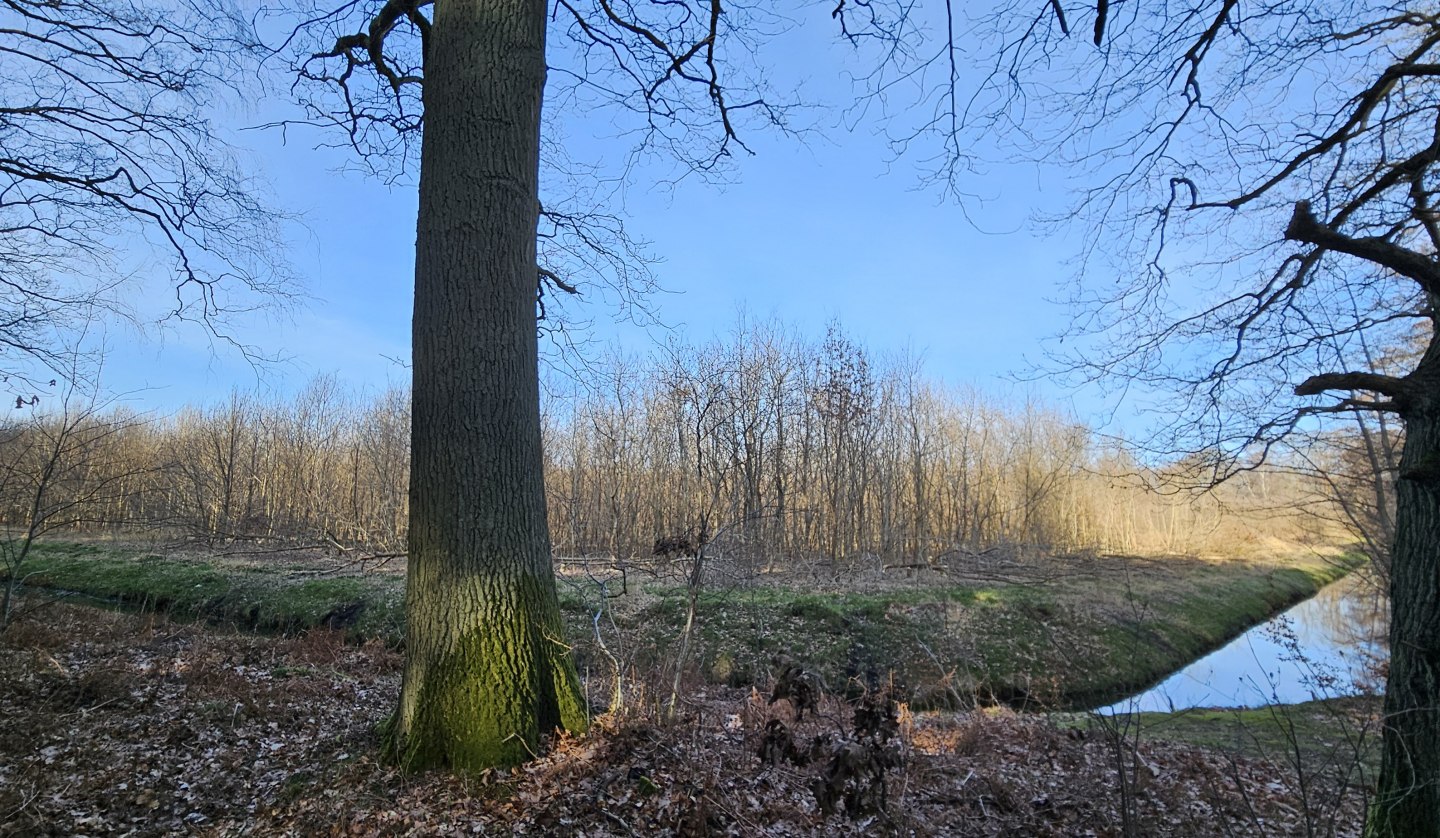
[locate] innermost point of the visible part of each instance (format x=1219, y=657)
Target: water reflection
x=1330, y=645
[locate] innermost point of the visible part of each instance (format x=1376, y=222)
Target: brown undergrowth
x=116, y=724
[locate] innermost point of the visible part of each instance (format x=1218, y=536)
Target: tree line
x=775, y=447
x=1320, y=199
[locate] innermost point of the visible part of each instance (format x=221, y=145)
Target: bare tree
x=689, y=76
x=1264, y=177
x=481, y=599
x=62, y=466
x=109, y=156
x=584, y=250
x=663, y=454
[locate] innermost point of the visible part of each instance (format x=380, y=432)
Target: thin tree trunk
x=1408, y=798
x=487, y=672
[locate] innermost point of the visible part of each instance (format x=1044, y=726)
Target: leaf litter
x=130, y=725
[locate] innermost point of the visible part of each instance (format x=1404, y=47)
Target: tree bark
x=1407, y=801
x=487, y=672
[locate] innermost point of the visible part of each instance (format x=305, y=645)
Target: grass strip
x=251, y=598
x=1076, y=641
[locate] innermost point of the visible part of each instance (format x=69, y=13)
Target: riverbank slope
x=1037, y=631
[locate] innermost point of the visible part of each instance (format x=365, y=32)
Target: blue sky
x=829, y=227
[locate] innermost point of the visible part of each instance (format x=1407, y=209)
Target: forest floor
x=1027, y=630
x=115, y=723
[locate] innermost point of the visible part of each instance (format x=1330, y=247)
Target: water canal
x=1325, y=647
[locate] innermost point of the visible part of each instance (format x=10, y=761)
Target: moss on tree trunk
x=486, y=673
x=499, y=679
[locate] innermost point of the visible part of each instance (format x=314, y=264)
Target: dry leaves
x=120, y=725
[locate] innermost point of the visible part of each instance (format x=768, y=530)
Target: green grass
x=249, y=598
x=1167, y=624
x=1333, y=733
x=1089, y=635
x=1070, y=644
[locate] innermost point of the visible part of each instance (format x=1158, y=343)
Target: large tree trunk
x=487, y=672
x=1408, y=799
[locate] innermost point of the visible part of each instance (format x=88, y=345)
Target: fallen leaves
x=118, y=725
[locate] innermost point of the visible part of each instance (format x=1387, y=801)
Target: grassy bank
x=1083, y=632
x=1058, y=632
x=1318, y=736
x=254, y=596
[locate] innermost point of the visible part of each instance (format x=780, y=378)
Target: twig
x=287, y=549
x=17, y=616
x=25, y=804
x=383, y=558
x=84, y=711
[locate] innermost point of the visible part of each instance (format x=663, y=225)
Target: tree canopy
x=1262, y=180
x=111, y=159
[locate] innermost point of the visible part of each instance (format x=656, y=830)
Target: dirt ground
x=128, y=725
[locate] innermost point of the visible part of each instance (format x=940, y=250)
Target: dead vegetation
x=788, y=452
x=114, y=724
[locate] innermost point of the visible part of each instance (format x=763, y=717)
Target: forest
x=714, y=511
x=569, y=568
x=782, y=449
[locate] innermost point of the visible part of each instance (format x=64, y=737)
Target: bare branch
x=1304, y=227
x=1396, y=388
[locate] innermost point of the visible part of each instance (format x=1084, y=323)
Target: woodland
x=765, y=582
